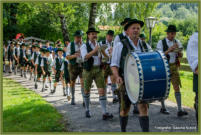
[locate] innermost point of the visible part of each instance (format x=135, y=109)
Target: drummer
x=120, y=50
x=172, y=49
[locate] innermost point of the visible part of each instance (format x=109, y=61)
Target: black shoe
x=115, y=100
x=182, y=113
x=164, y=111
x=36, y=86
x=10, y=72
x=88, y=115
x=107, y=116
x=4, y=71
x=52, y=91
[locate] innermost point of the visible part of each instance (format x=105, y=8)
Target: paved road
x=74, y=116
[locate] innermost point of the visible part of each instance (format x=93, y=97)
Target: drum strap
x=144, y=48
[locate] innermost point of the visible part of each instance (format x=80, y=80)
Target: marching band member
x=46, y=66
x=75, y=63
x=16, y=54
x=38, y=64
x=57, y=64
x=169, y=45
x=120, y=50
x=106, y=62
x=192, y=56
x=33, y=60
x=92, y=59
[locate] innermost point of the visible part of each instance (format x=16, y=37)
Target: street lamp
x=150, y=21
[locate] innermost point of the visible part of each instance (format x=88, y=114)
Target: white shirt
x=84, y=52
x=192, y=51
x=49, y=59
x=169, y=43
x=117, y=39
x=77, y=48
x=117, y=49
x=18, y=51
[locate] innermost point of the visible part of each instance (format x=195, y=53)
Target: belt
x=171, y=64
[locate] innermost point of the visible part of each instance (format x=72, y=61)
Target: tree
x=93, y=14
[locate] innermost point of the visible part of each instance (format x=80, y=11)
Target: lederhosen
x=174, y=73
x=75, y=69
x=39, y=70
x=58, y=68
x=10, y=53
x=106, y=66
x=47, y=67
x=124, y=100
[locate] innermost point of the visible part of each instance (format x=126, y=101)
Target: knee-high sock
x=103, y=102
x=86, y=101
x=163, y=104
x=43, y=84
x=113, y=87
x=123, y=123
x=144, y=123
x=178, y=99
x=82, y=91
x=50, y=84
x=10, y=68
x=73, y=92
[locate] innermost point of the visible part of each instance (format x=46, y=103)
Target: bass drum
x=147, y=76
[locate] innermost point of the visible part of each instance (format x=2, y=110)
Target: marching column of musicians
x=102, y=62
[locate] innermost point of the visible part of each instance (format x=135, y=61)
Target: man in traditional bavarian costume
x=75, y=63
x=120, y=51
x=172, y=49
x=92, y=59
x=119, y=37
x=10, y=55
x=38, y=67
x=192, y=56
x=16, y=55
x=33, y=60
x=57, y=63
x=46, y=66
x=106, y=62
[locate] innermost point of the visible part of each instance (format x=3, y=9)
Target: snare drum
x=147, y=76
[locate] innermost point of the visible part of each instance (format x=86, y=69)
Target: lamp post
x=150, y=22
